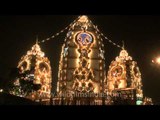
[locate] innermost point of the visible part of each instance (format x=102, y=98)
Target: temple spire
x=36, y=68
x=84, y=19
x=123, y=45
x=37, y=39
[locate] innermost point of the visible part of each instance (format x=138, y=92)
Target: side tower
x=35, y=68
x=124, y=77
x=82, y=63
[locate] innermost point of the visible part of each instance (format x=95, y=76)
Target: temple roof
x=123, y=56
x=36, y=50
x=83, y=18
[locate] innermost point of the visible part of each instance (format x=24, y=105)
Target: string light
x=58, y=33
x=101, y=34
x=69, y=27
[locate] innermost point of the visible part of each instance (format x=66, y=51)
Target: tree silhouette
x=26, y=82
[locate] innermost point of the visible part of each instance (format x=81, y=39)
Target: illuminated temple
x=34, y=68
x=124, y=79
x=82, y=75
x=82, y=63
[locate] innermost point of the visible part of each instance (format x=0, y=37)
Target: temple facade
x=34, y=68
x=82, y=63
x=82, y=75
x=124, y=79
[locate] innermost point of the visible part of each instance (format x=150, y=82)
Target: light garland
x=58, y=33
x=81, y=19
x=101, y=34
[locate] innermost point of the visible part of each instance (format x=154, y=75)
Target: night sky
x=141, y=34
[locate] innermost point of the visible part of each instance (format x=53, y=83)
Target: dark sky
x=141, y=34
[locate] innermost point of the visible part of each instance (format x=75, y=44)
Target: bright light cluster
x=124, y=73
x=81, y=75
x=1, y=90
x=81, y=38
x=39, y=70
x=84, y=73
x=156, y=61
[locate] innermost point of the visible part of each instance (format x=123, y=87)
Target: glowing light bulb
x=83, y=18
x=1, y=90
x=158, y=60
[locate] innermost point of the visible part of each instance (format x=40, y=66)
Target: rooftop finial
x=37, y=39
x=83, y=18
x=123, y=45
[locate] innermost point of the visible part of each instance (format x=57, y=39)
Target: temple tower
x=124, y=75
x=82, y=62
x=34, y=68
